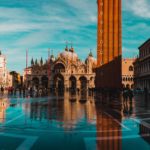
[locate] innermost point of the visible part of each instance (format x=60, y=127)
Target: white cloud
x=50, y=22
x=129, y=52
x=139, y=8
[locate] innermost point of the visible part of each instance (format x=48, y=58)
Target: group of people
x=127, y=95
x=24, y=91
x=36, y=92
x=2, y=90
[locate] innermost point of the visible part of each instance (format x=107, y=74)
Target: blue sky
x=41, y=24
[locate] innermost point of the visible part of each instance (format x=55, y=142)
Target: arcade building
x=64, y=72
x=128, y=73
x=142, y=67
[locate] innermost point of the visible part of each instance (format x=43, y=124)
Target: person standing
x=145, y=94
x=2, y=90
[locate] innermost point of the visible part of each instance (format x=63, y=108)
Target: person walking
x=24, y=91
x=130, y=95
x=125, y=96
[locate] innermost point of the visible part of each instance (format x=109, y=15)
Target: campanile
x=109, y=31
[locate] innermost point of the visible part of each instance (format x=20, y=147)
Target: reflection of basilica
x=75, y=112
x=67, y=113
x=66, y=71
x=3, y=107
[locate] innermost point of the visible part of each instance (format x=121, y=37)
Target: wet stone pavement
x=67, y=123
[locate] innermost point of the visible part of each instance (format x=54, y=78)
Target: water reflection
x=108, y=128
x=127, y=108
x=79, y=117
x=3, y=107
x=66, y=112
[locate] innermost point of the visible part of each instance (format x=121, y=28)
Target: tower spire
x=90, y=54
x=66, y=49
x=71, y=49
x=52, y=52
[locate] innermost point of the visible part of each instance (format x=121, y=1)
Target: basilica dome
x=91, y=59
x=69, y=55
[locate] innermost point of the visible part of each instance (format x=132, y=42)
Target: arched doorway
x=72, y=83
x=35, y=82
x=44, y=81
x=83, y=83
x=83, y=88
x=59, y=82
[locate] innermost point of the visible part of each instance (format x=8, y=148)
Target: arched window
x=59, y=68
x=131, y=68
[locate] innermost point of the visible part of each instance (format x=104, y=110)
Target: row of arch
x=128, y=86
x=128, y=79
x=58, y=82
x=36, y=81
x=61, y=68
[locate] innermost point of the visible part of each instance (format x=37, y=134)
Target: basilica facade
x=64, y=72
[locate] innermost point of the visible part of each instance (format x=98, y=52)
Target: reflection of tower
x=108, y=131
x=109, y=30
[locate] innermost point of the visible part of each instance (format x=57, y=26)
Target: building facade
x=142, y=67
x=16, y=79
x=3, y=70
x=64, y=72
x=5, y=76
x=109, y=44
x=128, y=72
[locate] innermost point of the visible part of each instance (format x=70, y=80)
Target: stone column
x=78, y=86
x=66, y=84
x=88, y=85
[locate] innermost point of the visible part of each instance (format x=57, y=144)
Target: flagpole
x=26, y=63
x=26, y=79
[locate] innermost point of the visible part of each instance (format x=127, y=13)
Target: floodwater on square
x=66, y=122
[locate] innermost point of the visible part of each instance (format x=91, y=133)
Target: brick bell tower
x=109, y=30
x=109, y=44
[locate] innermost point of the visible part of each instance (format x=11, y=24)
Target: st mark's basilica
x=64, y=72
